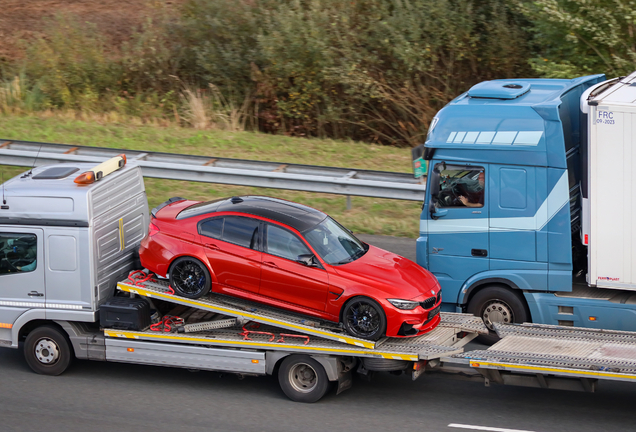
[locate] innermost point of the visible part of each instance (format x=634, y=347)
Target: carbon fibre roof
x=297, y=216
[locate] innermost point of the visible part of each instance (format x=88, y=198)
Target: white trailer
x=609, y=210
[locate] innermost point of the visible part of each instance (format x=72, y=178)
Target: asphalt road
x=94, y=396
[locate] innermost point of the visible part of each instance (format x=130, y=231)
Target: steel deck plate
x=567, y=351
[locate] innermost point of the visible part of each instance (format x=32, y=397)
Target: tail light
x=152, y=229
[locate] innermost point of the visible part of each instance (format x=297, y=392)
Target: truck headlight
x=404, y=304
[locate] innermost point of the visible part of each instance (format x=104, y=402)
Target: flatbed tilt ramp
x=302, y=334
x=527, y=355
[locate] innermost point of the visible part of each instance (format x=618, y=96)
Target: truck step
x=210, y=325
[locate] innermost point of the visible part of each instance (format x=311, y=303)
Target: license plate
x=432, y=314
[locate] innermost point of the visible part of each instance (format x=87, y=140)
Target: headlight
x=404, y=304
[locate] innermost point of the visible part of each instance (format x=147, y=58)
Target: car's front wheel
x=364, y=318
x=190, y=278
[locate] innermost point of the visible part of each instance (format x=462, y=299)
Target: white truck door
x=21, y=268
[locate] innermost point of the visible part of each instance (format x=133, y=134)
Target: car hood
x=399, y=277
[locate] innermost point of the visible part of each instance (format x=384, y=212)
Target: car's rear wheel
x=190, y=278
x=364, y=318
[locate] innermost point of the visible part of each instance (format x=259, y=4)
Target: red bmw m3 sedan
x=293, y=257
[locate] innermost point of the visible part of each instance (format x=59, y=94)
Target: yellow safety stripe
x=121, y=234
x=163, y=336
x=345, y=339
x=478, y=364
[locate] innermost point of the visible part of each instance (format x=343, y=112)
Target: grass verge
x=368, y=215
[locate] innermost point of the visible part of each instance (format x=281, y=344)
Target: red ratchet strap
x=166, y=323
x=247, y=331
x=293, y=335
x=138, y=277
x=250, y=328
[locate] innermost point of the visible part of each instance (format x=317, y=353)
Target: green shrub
x=580, y=37
x=72, y=64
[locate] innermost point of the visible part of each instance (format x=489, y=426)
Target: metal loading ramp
x=559, y=351
x=323, y=336
x=441, y=342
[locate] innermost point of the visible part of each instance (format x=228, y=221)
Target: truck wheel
x=500, y=305
x=190, y=278
x=364, y=318
x=47, y=351
x=303, y=379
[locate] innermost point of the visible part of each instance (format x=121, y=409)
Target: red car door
x=231, y=245
x=285, y=279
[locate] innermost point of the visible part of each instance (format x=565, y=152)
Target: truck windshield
x=334, y=243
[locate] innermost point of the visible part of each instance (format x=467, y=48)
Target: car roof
x=297, y=216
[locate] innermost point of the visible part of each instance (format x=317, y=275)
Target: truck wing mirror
x=437, y=213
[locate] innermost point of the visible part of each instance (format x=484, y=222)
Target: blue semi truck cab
x=530, y=201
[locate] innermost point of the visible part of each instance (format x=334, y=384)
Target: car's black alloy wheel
x=190, y=278
x=364, y=318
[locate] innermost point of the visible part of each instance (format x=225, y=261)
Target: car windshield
x=334, y=243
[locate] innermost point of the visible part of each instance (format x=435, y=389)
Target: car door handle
x=479, y=252
x=212, y=246
x=270, y=264
x=35, y=294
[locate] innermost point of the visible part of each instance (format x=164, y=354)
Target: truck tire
x=303, y=379
x=190, y=278
x=497, y=304
x=48, y=351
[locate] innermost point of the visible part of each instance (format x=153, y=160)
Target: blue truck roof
x=512, y=121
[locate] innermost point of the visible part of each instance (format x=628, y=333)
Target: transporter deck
x=557, y=351
x=279, y=319
x=440, y=342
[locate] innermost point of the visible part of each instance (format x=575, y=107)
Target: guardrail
x=310, y=178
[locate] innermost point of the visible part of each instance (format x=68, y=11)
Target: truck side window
x=460, y=186
x=18, y=253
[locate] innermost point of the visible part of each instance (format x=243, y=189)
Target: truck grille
x=432, y=301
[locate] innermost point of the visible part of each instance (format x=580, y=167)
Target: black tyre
x=190, y=278
x=364, y=318
x=497, y=304
x=303, y=379
x=48, y=351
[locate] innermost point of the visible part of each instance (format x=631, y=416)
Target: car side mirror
x=307, y=259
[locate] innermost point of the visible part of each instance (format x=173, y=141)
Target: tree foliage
x=581, y=37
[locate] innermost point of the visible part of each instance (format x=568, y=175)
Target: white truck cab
x=59, y=236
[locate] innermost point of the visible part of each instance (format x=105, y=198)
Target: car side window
x=18, y=253
x=212, y=228
x=284, y=243
x=241, y=231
